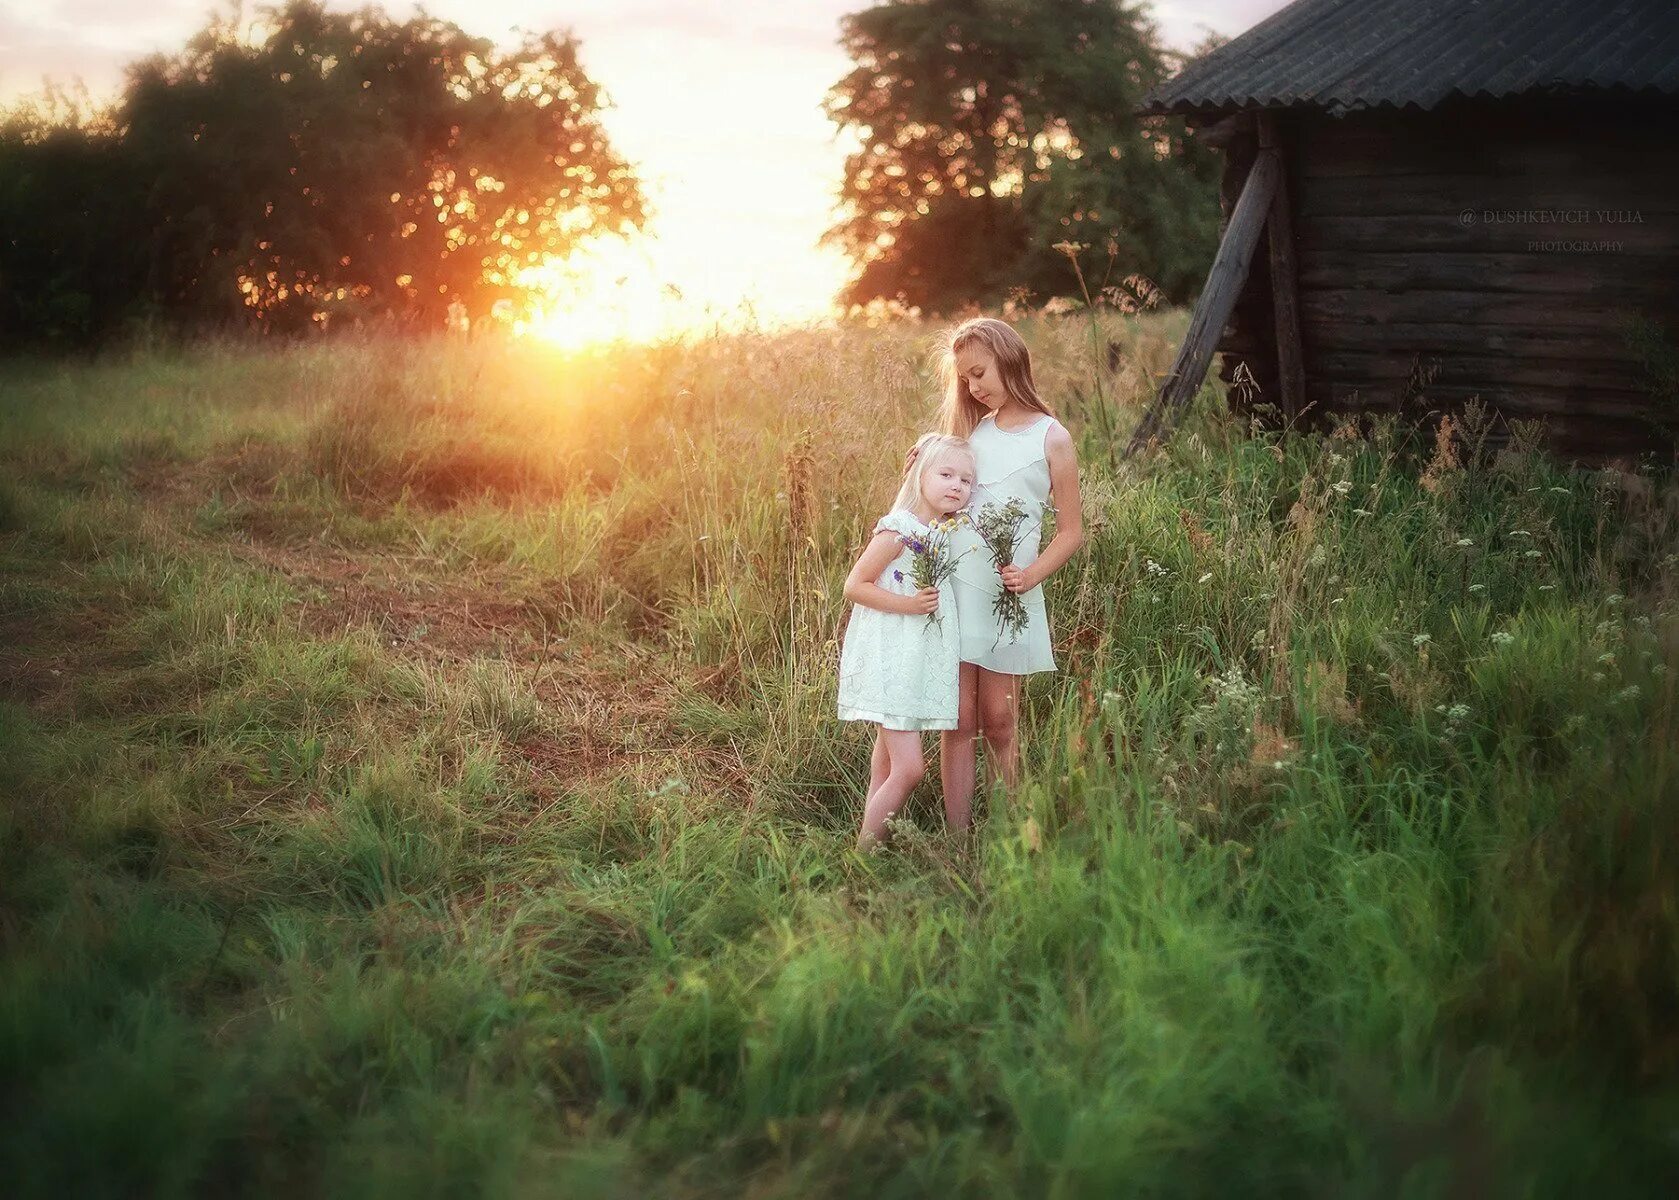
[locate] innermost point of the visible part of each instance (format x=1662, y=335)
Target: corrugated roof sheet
x=1352, y=54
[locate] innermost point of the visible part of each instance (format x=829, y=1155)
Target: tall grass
x=421, y=778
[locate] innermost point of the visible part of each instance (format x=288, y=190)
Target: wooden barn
x=1445, y=199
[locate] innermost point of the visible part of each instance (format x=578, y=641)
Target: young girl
x=899, y=666
x=1021, y=452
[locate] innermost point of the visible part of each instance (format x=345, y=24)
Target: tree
x=351, y=155
x=343, y=162
x=992, y=130
x=70, y=244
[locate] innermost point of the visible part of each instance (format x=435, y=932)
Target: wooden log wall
x=1493, y=248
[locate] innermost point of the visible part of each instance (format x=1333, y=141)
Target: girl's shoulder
x=900, y=521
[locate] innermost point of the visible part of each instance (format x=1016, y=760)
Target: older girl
x=1021, y=452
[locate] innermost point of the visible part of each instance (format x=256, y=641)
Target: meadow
x=420, y=778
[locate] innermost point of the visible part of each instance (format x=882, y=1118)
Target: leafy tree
x=340, y=162
x=991, y=130
x=351, y=155
x=70, y=262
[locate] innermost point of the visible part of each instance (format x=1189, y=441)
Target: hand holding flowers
x=1001, y=529
x=932, y=558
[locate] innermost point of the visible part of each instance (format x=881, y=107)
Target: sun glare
x=607, y=291
x=617, y=290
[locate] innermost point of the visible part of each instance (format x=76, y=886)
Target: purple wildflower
x=898, y=575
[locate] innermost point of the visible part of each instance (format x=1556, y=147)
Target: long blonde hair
x=960, y=412
x=929, y=449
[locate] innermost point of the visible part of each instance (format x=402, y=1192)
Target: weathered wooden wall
x=1491, y=249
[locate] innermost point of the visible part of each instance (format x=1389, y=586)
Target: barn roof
x=1351, y=54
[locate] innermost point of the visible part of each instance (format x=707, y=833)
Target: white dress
x=900, y=671
x=1010, y=465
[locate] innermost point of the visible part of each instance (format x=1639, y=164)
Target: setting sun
x=675, y=283
x=605, y=292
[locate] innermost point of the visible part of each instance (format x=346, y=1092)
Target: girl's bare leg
x=958, y=754
x=903, y=748
x=998, y=698
x=880, y=765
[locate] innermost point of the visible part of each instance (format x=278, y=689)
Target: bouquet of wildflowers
x=932, y=559
x=1000, y=528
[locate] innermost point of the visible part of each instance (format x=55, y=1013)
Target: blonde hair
x=929, y=449
x=960, y=412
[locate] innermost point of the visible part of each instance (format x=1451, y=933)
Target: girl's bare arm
x=861, y=588
x=1069, y=515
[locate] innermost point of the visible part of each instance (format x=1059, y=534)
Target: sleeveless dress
x=901, y=671
x=1010, y=465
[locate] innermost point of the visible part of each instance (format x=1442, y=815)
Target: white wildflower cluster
x=1226, y=717
x=1156, y=572
x=1465, y=542
x=1456, y=715
x=1501, y=638
x=1234, y=686
x=1343, y=486
x=1607, y=635
x=1627, y=646
x=1422, y=639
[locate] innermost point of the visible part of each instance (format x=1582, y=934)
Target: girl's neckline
x=992, y=417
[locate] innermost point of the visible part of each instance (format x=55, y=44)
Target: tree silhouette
x=993, y=129
x=70, y=252
x=343, y=163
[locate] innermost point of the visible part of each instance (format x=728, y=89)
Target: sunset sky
x=717, y=104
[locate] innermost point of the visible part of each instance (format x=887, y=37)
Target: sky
x=706, y=95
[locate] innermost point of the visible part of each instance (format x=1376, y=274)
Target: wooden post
x=1218, y=298
x=1285, y=292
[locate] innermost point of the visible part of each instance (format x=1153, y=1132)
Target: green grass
x=420, y=778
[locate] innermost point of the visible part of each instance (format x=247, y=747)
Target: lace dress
x=900, y=671
x=1011, y=465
